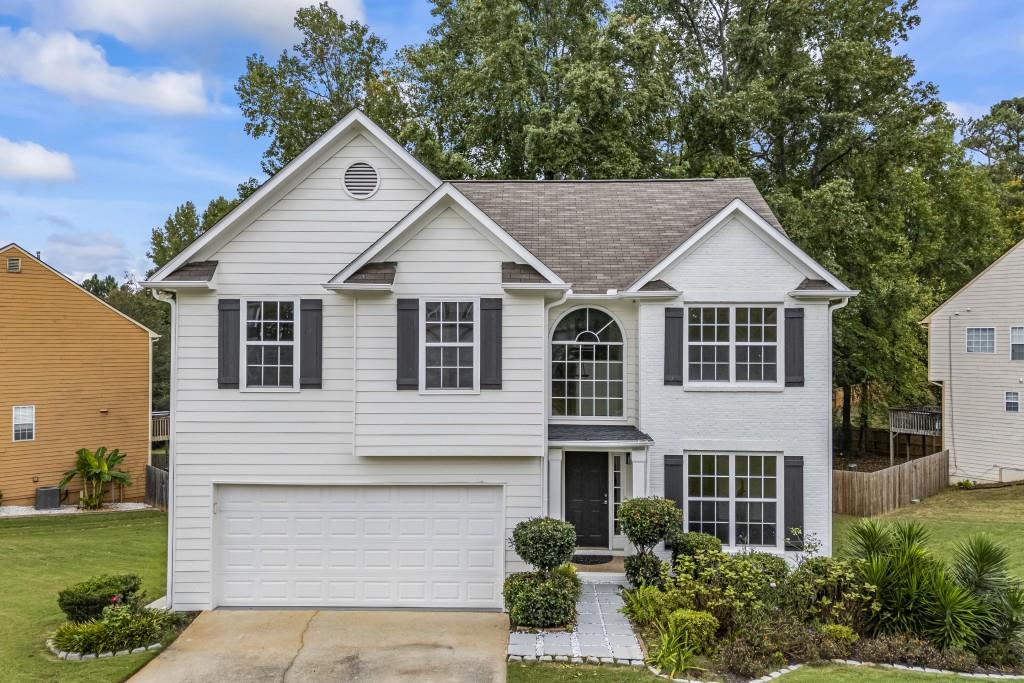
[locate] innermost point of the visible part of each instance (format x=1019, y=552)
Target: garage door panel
x=415, y=546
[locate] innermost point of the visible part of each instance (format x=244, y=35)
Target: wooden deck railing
x=872, y=493
x=161, y=427
x=925, y=420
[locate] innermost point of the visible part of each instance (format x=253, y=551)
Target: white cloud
x=963, y=110
x=80, y=254
x=148, y=22
x=63, y=63
x=31, y=161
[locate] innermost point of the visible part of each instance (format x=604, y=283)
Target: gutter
x=545, y=493
x=169, y=298
x=828, y=424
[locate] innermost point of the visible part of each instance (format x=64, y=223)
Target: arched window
x=586, y=365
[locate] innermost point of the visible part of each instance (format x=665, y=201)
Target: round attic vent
x=361, y=180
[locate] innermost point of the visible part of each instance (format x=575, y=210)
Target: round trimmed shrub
x=644, y=569
x=698, y=628
x=86, y=600
x=689, y=543
x=646, y=521
x=544, y=542
x=541, y=601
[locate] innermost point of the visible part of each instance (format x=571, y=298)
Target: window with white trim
x=1017, y=343
x=24, y=428
x=269, y=344
x=449, y=341
x=1011, y=401
x=734, y=497
x=587, y=365
x=981, y=340
x=727, y=344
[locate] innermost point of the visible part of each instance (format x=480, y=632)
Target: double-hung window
x=1017, y=343
x=1011, y=401
x=981, y=340
x=734, y=497
x=269, y=344
x=24, y=428
x=450, y=346
x=733, y=344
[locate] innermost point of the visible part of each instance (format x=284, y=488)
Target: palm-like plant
x=96, y=470
x=981, y=565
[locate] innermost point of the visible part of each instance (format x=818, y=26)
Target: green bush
x=765, y=642
x=544, y=542
x=771, y=566
x=912, y=651
x=646, y=521
x=836, y=640
x=536, y=600
x=826, y=590
x=698, y=628
x=645, y=569
x=119, y=628
x=644, y=605
x=730, y=587
x=690, y=543
x=86, y=600
x=672, y=652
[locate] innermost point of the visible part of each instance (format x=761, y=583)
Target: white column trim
x=555, y=487
x=638, y=460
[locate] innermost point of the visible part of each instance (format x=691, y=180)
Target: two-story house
x=976, y=356
x=377, y=374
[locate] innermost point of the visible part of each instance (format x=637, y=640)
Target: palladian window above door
x=587, y=365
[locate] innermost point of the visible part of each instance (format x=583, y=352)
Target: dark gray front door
x=586, y=497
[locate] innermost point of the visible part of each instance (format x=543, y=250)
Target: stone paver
x=602, y=633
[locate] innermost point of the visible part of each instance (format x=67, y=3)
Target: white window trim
x=1010, y=345
x=475, y=300
x=780, y=489
x=1006, y=401
x=242, y=374
x=733, y=385
x=14, y=413
x=593, y=419
x=995, y=339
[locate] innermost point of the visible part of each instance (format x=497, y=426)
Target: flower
x=115, y=599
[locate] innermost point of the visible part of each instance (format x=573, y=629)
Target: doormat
x=591, y=559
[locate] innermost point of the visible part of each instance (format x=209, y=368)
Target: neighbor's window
x=1012, y=401
x=270, y=344
x=449, y=341
x=734, y=497
x=733, y=344
x=587, y=365
x=1017, y=343
x=981, y=340
x=24, y=423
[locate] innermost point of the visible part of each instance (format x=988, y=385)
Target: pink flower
x=115, y=599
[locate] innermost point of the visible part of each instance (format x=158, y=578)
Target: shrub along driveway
x=41, y=555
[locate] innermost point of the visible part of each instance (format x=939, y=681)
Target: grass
x=954, y=515
x=41, y=555
x=836, y=673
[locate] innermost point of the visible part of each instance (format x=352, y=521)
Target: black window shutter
x=674, y=479
x=794, y=347
x=311, y=344
x=793, y=503
x=490, y=343
x=675, y=326
x=408, y=344
x=228, y=324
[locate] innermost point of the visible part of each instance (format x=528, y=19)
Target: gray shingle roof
x=657, y=286
x=520, y=272
x=808, y=283
x=598, y=432
x=196, y=271
x=600, y=235
x=379, y=273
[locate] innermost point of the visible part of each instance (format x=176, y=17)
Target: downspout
x=828, y=424
x=547, y=398
x=169, y=298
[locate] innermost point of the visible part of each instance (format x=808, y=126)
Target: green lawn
x=862, y=674
x=41, y=555
x=956, y=514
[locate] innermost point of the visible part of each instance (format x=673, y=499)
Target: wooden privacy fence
x=872, y=493
x=156, y=487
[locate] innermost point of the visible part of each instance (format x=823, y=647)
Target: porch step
x=602, y=577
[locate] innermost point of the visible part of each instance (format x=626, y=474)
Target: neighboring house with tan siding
x=976, y=354
x=75, y=373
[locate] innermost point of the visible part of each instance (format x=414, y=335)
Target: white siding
x=734, y=265
x=986, y=443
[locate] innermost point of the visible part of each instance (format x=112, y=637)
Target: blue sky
x=113, y=112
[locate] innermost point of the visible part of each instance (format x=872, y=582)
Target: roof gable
x=1004, y=261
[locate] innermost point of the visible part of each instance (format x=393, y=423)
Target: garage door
x=359, y=546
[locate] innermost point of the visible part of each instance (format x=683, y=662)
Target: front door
x=586, y=497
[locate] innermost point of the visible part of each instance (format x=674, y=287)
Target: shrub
x=772, y=566
x=766, y=642
x=672, y=651
x=698, y=628
x=86, y=600
x=645, y=605
x=836, y=640
x=690, y=542
x=730, y=587
x=646, y=521
x=537, y=600
x=913, y=651
x=121, y=627
x=97, y=470
x=644, y=569
x=826, y=590
x=544, y=542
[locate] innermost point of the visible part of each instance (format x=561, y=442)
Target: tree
x=101, y=288
x=185, y=225
x=999, y=138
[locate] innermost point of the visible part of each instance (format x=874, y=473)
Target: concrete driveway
x=328, y=645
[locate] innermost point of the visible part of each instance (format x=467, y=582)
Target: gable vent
x=361, y=180
x=13, y=264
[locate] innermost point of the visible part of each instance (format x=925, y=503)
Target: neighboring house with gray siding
x=976, y=355
x=377, y=374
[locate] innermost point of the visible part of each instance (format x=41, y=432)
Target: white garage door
x=359, y=546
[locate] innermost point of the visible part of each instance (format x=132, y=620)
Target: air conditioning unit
x=13, y=264
x=47, y=498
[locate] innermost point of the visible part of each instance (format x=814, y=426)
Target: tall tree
x=100, y=287
x=186, y=224
x=999, y=138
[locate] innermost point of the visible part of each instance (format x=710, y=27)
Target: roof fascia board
x=599, y=444
x=291, y=174
x=739, y=207
x=357, y=287
x=824, y=293
x=172, y=285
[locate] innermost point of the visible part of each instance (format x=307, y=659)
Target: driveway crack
x=302, y=644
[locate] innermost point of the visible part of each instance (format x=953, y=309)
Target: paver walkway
x=602, y=633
